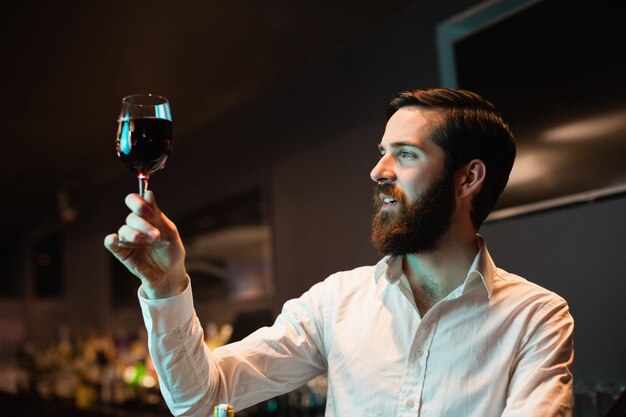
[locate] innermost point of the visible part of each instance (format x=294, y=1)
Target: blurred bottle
x=223, y=410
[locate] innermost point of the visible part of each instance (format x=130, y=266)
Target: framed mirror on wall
x=229, y=253
x=554, y=68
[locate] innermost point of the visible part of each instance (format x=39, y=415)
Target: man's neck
x=433, y=275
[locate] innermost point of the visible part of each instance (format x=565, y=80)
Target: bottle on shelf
x=223, y=410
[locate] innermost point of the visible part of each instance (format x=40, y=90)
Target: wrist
x=167, y=288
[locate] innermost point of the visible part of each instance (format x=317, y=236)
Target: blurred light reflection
x=586, y=129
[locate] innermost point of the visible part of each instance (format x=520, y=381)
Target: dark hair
x=472, y=128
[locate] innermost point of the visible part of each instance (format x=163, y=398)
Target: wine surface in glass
x=144, y=144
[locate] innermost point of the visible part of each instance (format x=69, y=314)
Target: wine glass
x=144, y=135
x=144, y=138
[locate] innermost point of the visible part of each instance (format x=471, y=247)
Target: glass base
x=157, y=244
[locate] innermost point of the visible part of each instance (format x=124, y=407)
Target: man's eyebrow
x=394, y=145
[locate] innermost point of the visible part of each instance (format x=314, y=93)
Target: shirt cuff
x=166, y=314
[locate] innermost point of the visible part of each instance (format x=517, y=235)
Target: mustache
x=390, y=190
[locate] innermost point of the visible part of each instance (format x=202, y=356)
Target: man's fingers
x=110, y=242
x=166, y=227
x=158, y=218
x=130, y=235
x=142, y=226
x=139, y=206
x=154, y=222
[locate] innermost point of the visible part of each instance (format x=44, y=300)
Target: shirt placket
x=411, y=393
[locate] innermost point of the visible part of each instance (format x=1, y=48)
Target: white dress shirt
x=497, y=345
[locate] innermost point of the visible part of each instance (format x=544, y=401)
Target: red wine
x=144, y=144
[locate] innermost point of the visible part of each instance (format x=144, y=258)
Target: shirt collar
x=482, y=267
x=390, y=267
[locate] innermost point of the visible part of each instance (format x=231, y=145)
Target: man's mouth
x=387, y=197
x=387, y=200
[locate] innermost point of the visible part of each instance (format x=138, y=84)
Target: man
x=434, y=329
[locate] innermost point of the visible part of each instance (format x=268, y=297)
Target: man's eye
x=406, y=154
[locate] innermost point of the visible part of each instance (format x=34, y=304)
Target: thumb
x=161, y=221
x=157, y=214
x=149, y=198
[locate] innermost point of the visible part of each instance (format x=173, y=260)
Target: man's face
x=415, y=198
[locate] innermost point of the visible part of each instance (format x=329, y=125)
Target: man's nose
x=383, y=170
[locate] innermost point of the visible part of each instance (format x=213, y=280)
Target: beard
x=415, y=227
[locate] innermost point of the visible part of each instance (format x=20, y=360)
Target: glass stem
x=143, y=184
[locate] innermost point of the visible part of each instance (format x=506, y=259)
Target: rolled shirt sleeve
x=271, y=361
x=542, y=383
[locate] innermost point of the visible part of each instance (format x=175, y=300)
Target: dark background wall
x=314, y=138
x=579, y=253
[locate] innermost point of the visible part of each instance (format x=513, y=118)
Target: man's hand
x=161, y=267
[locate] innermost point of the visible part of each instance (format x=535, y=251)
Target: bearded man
x=433, y=329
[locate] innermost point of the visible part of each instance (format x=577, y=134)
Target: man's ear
x=470, y=178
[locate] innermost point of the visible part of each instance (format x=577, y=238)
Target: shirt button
x=410, y=403
x=417, y=353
